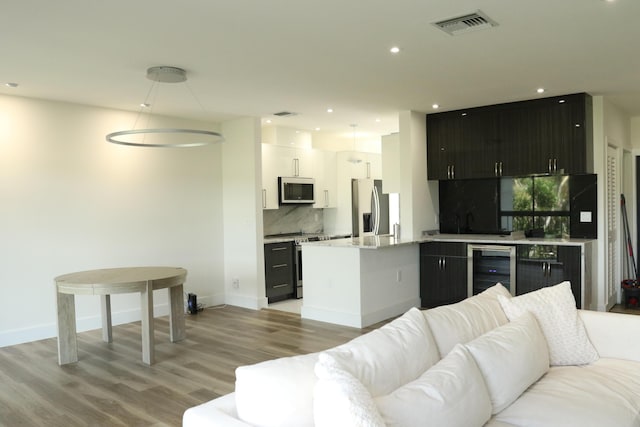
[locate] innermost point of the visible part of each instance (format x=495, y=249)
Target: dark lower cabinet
x=539, y=266
x=443, y=273
x=279, y=270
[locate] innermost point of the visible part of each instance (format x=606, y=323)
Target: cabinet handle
x=555, y=165
x=326, y=198
x=279, y=266
x=280, y=286
x=279, y=249
x=500, y=168
x=439, y=263
x=550, y=167
x=264, y=198
x=495, y=169
x=296, y=167
x=368, y=170
x=448, y=171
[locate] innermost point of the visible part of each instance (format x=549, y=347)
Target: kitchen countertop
x=364, y=242
x=302, y=237
x=387, y=240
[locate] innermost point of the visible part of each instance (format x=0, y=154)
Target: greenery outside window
x=539, y=202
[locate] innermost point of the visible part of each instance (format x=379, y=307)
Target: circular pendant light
x=164, y=137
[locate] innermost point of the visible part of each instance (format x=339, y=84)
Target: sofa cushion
x=463, y=321
x=277, y=392
x=605, y=393
x=511, y=358
x=342, y=400
x=451, y=393
x=388, y=357
x=555, y=309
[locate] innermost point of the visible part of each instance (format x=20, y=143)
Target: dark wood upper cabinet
x=541, y=136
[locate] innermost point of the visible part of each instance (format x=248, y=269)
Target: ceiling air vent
x=285, y=114
x=466, y=23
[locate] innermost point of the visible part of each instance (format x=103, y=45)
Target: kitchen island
x=360, y=281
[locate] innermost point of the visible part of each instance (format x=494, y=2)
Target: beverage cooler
x=488, y=265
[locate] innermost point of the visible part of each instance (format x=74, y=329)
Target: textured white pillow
x=468, y=319
x=555, y=309
x=451, y=393
x=511, y=358
x=277, y=393
x=388, y=357
x=341, y=400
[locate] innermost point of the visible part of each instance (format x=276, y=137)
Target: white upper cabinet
x=391, y=160
x=362, y=165
x=270, y=175
x=326, y=178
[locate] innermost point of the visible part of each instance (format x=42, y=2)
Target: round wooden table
x=106, y=282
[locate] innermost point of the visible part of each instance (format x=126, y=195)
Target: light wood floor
x=110, y=386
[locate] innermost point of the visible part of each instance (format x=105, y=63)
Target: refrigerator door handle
x=376, y=210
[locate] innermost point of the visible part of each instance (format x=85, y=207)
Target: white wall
x=70, y=201
x=611, y=126
x=242, y=207
x=419, y=203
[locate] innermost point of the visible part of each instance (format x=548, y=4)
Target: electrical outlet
x=235, y=282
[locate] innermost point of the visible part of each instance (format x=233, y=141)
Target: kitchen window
x=539, y=202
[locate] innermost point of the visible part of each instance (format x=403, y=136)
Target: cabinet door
x=443, y=273
x=571, y=259
x=444, y=146
x=569, y=149
x=482, y=143
x=539, y=266
x=279, y=269
x=270, y=163
x=325, y=179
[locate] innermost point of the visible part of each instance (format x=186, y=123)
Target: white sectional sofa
x=490, y=360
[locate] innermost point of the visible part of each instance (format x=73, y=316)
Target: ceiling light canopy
x=164, y=137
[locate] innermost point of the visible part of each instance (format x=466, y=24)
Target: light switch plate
x=585, y=216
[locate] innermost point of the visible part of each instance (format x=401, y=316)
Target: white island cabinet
x=360, y=281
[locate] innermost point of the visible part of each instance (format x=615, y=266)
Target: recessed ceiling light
x=11, y=84
x=562, y=101
x=329, y=110
x=268, y=121
x=463, y=114
x=145, y=105
x=540, y=90
x=317, y=129
x=394, y=49
x=435, y=106
x=378, y=120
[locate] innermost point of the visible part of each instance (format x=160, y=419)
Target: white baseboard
x=358, y=320
x=88, y=323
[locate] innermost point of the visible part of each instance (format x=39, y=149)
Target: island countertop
x=365, y=242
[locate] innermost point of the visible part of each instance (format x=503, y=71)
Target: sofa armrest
x=220, y=412
x=614, y=335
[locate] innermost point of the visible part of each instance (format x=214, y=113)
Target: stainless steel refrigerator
x=370, y=208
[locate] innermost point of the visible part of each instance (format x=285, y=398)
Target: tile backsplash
x=292, y=219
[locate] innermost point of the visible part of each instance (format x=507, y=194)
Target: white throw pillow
x=277, y=393
x=511, y=358
x=555, y=309
x=468, y=319
x=341, y=400
x=451, y=393
x=388, y=357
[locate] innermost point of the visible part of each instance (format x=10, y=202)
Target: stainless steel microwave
x=293, y=190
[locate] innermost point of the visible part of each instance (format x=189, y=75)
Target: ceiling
x=258, y=57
